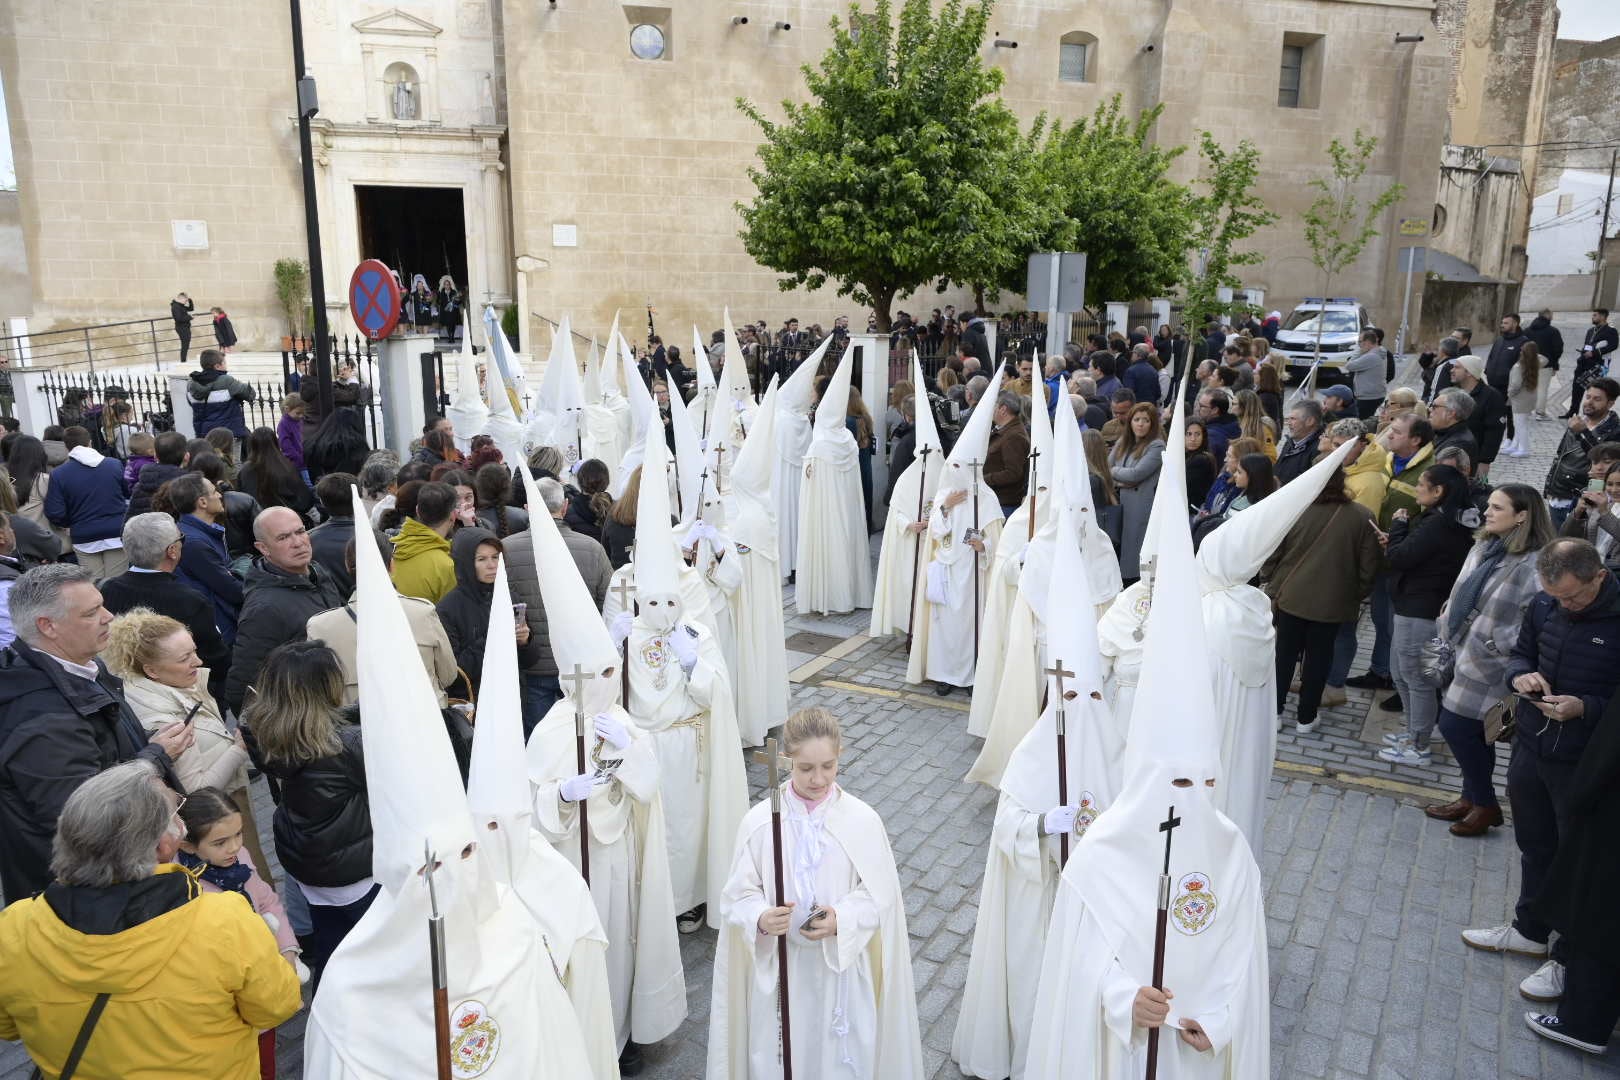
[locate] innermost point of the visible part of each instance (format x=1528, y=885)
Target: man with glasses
x=284, y=589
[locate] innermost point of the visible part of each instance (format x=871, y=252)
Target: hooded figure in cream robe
x=629, y=868
x=1095, y=1001
x=1022, y=867
x=557, y=418
x=835, y=564
x=1243, y=641
x=1016, y=702
x=760, y=679
x=693, y=484
x=963, y=530
x=468, y=414
x=373, y=1014
x=503, y=814
x=898, y=593
x=852, y=1003
x=607, y=414
x=680, y=697
x=794, y=406
x=732, y=412
x=645, y=420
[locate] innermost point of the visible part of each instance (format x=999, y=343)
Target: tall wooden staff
x=917, y=563
x=1058, y=673
x=441, y=981
x=973, y=494
x=1034, y=485
x=627, y=602
x=1167, y=826
x=703, y=483
x=768, y=757
x=579, y=677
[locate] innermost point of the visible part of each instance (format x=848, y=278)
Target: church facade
x=157, y=149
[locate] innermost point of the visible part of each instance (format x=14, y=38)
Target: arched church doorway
x=415, y=230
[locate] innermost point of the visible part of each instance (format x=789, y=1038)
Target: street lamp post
x=308, y=107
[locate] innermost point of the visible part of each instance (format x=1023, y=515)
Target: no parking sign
x=374, y=299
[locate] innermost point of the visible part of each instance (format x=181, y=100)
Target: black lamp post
x=308, y=107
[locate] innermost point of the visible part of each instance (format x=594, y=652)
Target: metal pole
x=1597, y=283
x=308, y=107
x=1406, y=303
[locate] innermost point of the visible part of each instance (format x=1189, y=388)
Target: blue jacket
x=216, y=401
x=1142, y=380
x=1575, y=651
x=205, y=567
x=1221, y=433
x=88, y=503
x=1055, y=390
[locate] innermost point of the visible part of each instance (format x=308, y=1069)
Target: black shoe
x=1391, y=703
x=690, y=922
x=631, y=1062
x=943, y=689
x=1371, y=681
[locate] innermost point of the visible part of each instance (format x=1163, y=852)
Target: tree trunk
x=882, y=301
x=978, y=299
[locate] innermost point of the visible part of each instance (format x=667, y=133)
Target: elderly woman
x=160, y=996
x=165, y=683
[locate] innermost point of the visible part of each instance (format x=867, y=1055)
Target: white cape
x=834, y=552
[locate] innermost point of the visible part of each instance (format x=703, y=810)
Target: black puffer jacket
x=276, y=607
x=323, y=825
x=1425, y=556
x=240, y=511
x=464, y=611
x=1575, y=652
x=152, y=477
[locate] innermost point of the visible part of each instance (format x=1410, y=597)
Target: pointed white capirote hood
x=701, y=365
x=923, y=412
x=573, y=622
x=593, y=375
x=834, y=403
x=657, y=573
x=799, y=391
x=642, y=406
x=558, y=413
x=414, y=790
x=1234, y=553
x=1040, y=434
x=734, y=374
x=498, y=780
x=974, y=441
x=754, y=472
x=1170, y=497
x=689, y=457
x=468, y=413
x=612, y=377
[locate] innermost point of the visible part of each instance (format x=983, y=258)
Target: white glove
x=1060, y=819
x=699, y=530
x=574, y=468
x=298, y=968
x=577, y=788
x=611, y=729
x=683, y=640
x=620, y=629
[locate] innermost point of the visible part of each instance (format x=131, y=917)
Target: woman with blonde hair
x=619, y=527
x=844, y=921
x=1252, y=422
x=166, y=683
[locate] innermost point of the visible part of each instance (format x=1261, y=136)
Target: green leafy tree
x=292, y=289
x=1110, y=185
x=1338, y=225
x=902, y=168
x=1226, y=212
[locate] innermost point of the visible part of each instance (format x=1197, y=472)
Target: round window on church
x=647, y=42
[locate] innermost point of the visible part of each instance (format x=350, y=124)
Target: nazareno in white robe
x=835, y=563
x=629, y=872
x=898, y=591
x=853, y=1008
x=760, y=681
x=693, y=730
x=794, y=430
x=1001, y=599
x=947, y=653
x=1121, y=635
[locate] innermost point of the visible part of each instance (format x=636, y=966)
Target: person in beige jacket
x=165, y=683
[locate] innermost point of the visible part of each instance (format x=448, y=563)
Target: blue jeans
x=1475, y=757
x=1344, y=646
x=540, y=693
x=1538, y=792
x=1559, y=515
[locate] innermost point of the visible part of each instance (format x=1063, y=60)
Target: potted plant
x=292, y=283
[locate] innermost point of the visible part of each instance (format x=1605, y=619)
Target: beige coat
x=214, y=759
x=336, y=627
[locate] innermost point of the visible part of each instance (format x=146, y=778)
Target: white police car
x=1341, y=321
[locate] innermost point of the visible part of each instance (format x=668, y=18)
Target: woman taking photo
x=1480, y=625
x=1317, y=579
x=270, y=478
x=310, y=743
x=1424, y=556
x=1135, y=462
x=1595, y=519
x=845, y=923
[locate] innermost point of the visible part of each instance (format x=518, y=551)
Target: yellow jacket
x=422, y=566
x=191, y=986
x=1368, y=479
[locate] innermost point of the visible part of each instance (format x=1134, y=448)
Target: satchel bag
x=1437, y=658
x=1501, y=722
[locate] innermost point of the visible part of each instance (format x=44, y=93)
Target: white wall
x=1559, y=242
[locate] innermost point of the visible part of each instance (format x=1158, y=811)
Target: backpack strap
x=96, y=1008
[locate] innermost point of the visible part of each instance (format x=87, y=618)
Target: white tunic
x=1242, y=662
x=852, y=1006
x=898, y=590
x=948, y=652
x=701, y=780
x=835, y=564
x=756, y=614
x=793, y=434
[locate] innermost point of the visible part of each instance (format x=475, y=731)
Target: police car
x=1341, y=318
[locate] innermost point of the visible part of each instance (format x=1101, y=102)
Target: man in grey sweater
x=1367, y=373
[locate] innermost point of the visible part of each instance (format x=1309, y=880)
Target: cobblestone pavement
x=1365, y=897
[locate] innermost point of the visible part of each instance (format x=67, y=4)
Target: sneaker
x=1539, y=415
x=1504, y=939
x=1391, y=704
x=1371, y=681
x=690, y=922
x=1333, y=696
x=1396, y=738
x=1404, y=754
x=1546, y=983
x=1304, y=729
x=1548, y=1027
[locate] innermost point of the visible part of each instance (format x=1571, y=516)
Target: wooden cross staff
x=1168, y=827
x=579, y=677
x=1059, y=673
x=917, y=563
x=703, y=483
x=627, y=602
x=768, y=757
x=974, y=495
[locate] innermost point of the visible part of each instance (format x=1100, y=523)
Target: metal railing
x=106, y=345
x=347, y=352
x=88, y=399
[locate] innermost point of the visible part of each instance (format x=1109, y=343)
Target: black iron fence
x=354, y=379
x=97, y=402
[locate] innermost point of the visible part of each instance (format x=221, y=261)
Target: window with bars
x=1293, y=63
x=1077, y=57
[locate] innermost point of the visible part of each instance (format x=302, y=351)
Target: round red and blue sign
x=374, y=299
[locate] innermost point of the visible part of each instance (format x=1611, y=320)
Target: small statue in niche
x=404, y=99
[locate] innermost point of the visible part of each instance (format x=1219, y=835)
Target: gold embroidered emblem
x=1194, y=908
x=475, y=1040
x=1088, y=813
x=655, y=654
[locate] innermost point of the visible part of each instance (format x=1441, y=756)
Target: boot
x=1478, y=821
x=1455, y=810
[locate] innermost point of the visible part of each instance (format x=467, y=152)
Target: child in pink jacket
x=214, y=854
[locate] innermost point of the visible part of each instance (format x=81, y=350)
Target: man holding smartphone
x=1564, y=671
x=1596, y=423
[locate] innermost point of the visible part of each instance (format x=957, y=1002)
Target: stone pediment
x=397, y=23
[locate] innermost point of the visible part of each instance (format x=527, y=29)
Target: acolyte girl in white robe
x=853, y=1009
